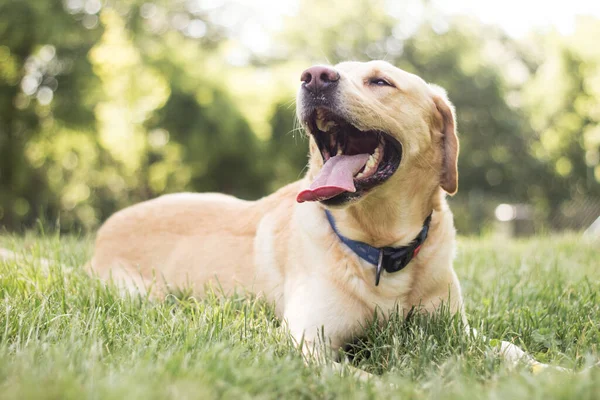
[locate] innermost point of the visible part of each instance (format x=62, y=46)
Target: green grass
x=64, y=336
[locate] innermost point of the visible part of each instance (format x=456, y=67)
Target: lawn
x=65, y=336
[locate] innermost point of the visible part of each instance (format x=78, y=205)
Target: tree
x=562, y=104
x=43, y=49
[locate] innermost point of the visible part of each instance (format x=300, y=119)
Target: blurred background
x=104, y=103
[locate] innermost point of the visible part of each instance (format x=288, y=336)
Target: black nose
x=319, y=77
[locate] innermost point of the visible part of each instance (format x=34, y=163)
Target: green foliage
x=65, y=335
x=103, y=104
x=566, y=113
x=123, y=119
x=31, y=72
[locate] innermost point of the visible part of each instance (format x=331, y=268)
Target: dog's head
x=373, y=126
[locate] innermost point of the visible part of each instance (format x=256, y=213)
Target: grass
x=65, y=336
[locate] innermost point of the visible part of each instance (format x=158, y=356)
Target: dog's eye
x=379, y=82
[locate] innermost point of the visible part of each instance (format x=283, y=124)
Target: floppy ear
x=449, y=175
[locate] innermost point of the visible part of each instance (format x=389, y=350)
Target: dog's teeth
x=369, y=166
x=321, y=124
x=376, y=155
x=370, y=163
x=339, y=152
x=325, y=126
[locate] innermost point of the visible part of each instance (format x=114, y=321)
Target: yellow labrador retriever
x=367, y=228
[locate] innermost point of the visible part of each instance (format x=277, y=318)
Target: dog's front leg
x=311, y=335
x=319, y=341
x=317, y=349
x=514, y=355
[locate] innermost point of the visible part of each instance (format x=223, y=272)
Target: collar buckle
x=390, y=259
x=379, y=268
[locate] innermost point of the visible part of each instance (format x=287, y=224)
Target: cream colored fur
x=287, y=252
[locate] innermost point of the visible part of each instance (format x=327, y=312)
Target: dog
x=368, y=228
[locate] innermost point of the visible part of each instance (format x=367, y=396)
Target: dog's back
x=183, y=240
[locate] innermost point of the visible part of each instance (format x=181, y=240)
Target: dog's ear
x=445, y=112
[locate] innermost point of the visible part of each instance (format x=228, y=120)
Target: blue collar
x=391, y=259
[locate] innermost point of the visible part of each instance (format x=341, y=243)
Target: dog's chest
x=352, y=279
x=393, y=291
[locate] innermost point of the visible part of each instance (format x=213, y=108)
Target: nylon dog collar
x=390, y=259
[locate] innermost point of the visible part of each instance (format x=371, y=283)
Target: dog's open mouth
x=354, y=161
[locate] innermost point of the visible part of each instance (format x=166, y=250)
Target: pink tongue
x=335, y=177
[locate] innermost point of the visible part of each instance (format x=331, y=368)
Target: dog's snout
x=319, y=77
